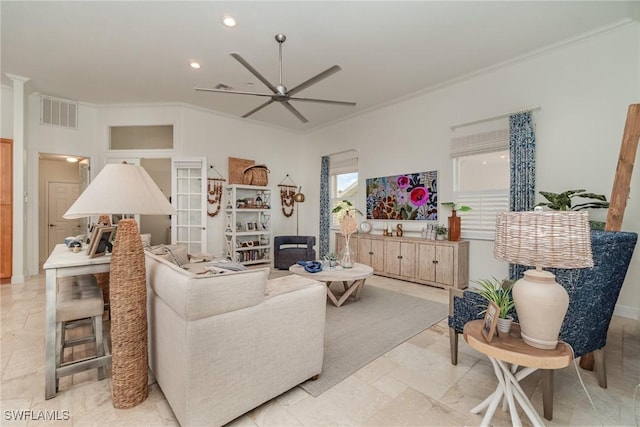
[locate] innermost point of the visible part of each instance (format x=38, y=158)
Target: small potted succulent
x=332, y=259
x=494, y=291
x=441, y=231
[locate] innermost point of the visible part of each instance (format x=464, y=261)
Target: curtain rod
x=499, y=116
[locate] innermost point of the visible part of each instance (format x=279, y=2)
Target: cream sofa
x=220, y=345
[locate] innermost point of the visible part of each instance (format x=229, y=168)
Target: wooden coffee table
x=352, y=280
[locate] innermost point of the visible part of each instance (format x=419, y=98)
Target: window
x=481, y=180
x=141, y=137
x=343, y=180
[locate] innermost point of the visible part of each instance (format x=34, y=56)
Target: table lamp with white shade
x=125, y=189
x=556, y=239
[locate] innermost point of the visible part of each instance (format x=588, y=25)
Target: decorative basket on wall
x=256, y=175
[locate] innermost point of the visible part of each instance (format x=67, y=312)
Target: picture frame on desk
x=92, y=236
x=490, y=321
x=101, y=242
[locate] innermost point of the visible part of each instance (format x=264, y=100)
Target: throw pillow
x=146, y=240
x=174, y=253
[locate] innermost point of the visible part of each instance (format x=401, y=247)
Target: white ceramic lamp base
x=541, y=304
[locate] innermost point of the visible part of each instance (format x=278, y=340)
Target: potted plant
x=454, y=220
x=441, y=231
x=332, y=258
x=563, y=202
x=493, y=290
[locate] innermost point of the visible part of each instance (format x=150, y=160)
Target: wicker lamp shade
x=542, y=239
x=125, y=189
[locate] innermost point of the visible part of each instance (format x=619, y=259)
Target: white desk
x=62, y=262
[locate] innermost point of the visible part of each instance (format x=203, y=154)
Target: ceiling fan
x=280, y=92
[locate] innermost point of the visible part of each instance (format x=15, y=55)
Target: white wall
x=200, y=133
x=583, y=89
x=6, y=112
x=53, y=140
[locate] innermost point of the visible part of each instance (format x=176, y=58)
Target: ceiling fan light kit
x=280, y=92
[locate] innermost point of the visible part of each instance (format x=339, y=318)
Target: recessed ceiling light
x=229, y=21
x=194, y=64
x=72, y=159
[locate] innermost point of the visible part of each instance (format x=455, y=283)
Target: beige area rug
x=361, y=331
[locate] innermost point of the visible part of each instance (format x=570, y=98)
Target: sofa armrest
x=453, y=292
x=464, y=307
x=290, y=283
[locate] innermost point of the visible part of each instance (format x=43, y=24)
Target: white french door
x=189, y=191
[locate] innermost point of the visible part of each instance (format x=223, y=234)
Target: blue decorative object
x=313, y=267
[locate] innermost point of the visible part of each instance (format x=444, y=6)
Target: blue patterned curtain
x=325, y=215
x=522, y=152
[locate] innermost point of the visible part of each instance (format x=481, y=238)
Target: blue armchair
x=593, y=293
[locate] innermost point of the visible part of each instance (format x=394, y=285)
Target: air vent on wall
x=58, y=112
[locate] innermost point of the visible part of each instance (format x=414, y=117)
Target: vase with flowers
x=348, y=225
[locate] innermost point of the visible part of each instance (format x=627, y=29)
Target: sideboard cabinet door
x=400, y=258
x=371, y=253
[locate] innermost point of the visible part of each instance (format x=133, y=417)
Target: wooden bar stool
x=80, y=303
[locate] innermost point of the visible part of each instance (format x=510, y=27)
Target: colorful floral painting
x=412, y=196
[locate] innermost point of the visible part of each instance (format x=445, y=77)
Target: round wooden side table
x=507, y=352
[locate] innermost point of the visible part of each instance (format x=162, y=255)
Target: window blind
x=478, y=143
x=343, y=163
x=480, y=221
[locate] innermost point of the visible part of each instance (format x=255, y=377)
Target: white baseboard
x=627, y=311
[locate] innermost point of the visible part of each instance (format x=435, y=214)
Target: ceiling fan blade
x=254, y=72
x=258, y=108
x=294, y=112
x=324, y=101
x=314, y=80
x=235, y=92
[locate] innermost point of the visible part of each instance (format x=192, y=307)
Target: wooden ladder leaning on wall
x=621, y=186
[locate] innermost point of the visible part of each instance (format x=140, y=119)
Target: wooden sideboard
x=431, y=262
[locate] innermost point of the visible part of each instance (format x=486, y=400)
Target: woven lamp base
x=128, y=295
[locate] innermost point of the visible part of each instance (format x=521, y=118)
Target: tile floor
x=412, y=385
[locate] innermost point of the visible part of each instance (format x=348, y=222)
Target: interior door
x=6, y=208
x=189, y=190
x=60, y=197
